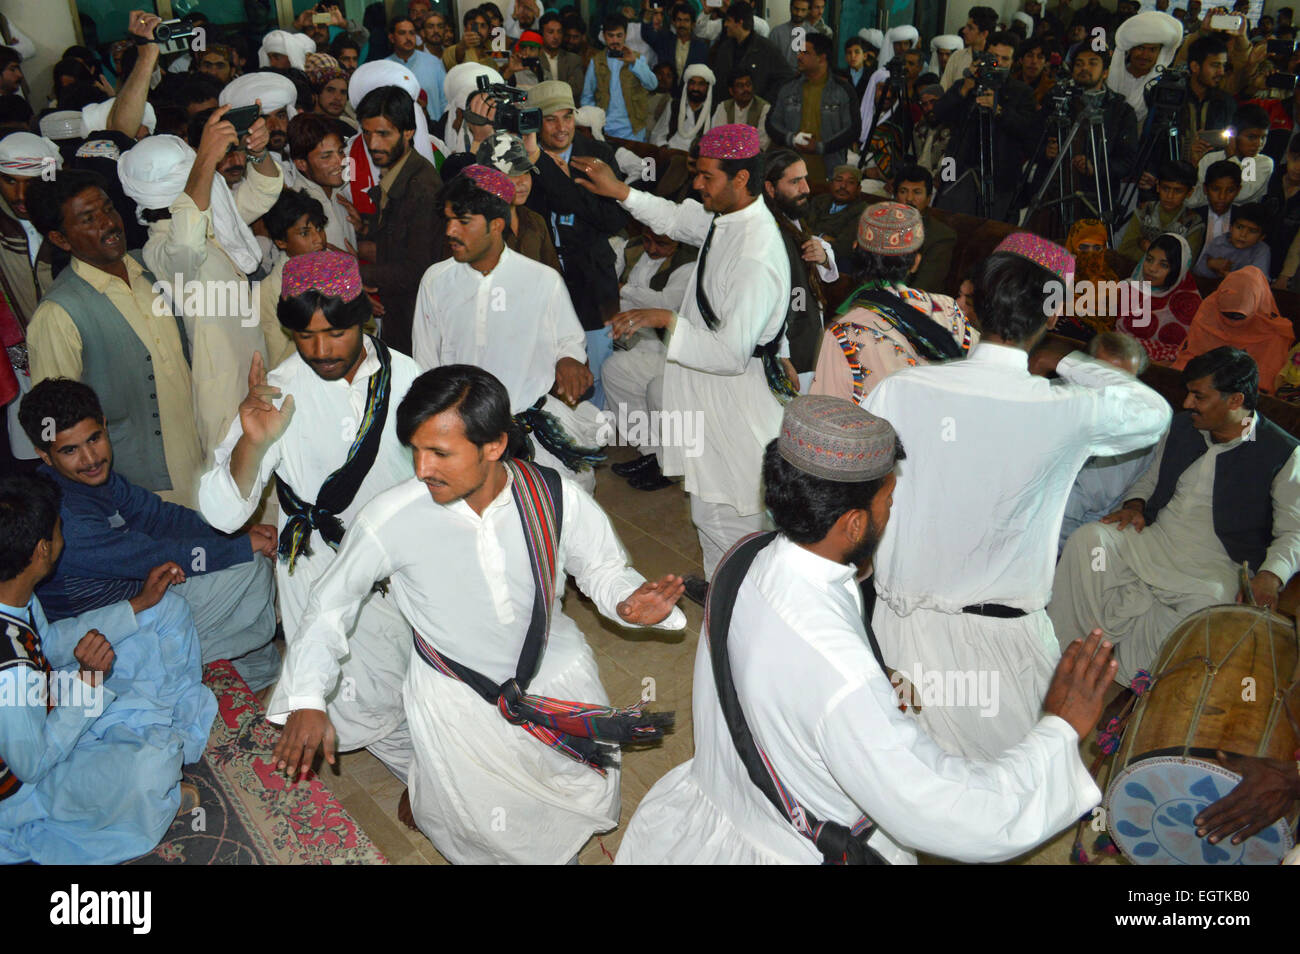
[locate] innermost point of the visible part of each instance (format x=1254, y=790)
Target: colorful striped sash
x=574, y=729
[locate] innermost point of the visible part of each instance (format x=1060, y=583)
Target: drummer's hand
x=1265, y=587
x=1079, y=686
x=1127, y=517
x=1267, y=789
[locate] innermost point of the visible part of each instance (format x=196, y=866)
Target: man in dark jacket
x=740, y=47
x=838, y=121
x=678, y=46
x=1015, y=121
x=581, y=223
x=405, y=236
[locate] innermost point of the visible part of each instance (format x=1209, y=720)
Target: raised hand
x=263, y=424
x=1078, y=689
x=650, y=603
x=601, y=179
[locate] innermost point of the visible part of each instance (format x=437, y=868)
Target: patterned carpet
x=248, y=814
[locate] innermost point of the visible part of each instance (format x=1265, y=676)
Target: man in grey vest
x=744, y=106
x=103, y=324
x=1223, y=489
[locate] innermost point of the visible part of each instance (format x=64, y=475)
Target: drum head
x=1151, y=807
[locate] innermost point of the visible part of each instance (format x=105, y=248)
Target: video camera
x=1169, y=91
x=989, y=76
x=173, y=36
x=1062, y=95
x=510, y=117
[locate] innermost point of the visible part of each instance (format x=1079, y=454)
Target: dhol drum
x=1226, y=679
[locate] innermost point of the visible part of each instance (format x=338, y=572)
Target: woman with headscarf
x=1167, y=269
x=1242, y=313
x=1087, y=242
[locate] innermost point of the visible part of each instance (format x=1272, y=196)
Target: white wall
x=48, y=24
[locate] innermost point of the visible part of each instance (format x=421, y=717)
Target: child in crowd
x=1222, y=186
x=1168, y=213
x=1244, y=148
x=1243, y=244
x=296, y=224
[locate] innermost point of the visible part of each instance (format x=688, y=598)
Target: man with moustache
x=557, y=62
x=428, y=69
x=323, y=425
x=404, y=235
x=275, y=95
x=317, y=153
x=690, y=115
x=492, y=307
x=100, y=324
x=788, y=196
x=503, y=770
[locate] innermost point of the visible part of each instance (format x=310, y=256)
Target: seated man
x=834, y=215
x=501, y=771
x=883, y=324
x=1222, y=489
x=491, y=307
x=117, y=532
x=654, y=272
x=786, y=659
x=915, y=186
x=91, y=773
x=1099, y=488
x=744, y=106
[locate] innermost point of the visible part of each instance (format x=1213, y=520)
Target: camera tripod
x=1163, y=129
x=1059, y=178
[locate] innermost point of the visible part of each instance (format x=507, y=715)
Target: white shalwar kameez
x=1139, y=586
x=712, y=376
x=828, y=720
x=515, y=322
x=992, y=452
x=483, y=790
x=634, y=377
x=366, y=706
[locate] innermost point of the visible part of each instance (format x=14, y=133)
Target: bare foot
x=404, y=813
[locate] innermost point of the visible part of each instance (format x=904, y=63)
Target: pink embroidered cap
x=890, y=228
x=491, y=180
x=730, y=141
x=330, y=273
x=1039, y=251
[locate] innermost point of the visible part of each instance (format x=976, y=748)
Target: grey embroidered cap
x=834, y=439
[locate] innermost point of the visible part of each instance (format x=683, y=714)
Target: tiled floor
x=656, y=530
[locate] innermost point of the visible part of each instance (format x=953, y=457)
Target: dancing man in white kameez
x=475, y=550
x=736, y=302
x=491, y=307
x=299, y=424
x=788, y=693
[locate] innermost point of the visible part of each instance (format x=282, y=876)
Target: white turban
x=27, y=155
x=1027, y=20
x=61, y=124
x=897, y=35
x=591, y=117
x=1150, y=27
x=153, y=174
x=460, y=84
x=869, y=103
x=296, y=46
x=948, y=41
x=874, y=37
x=275, y=92
x=95, y=117
x=371, y=76
x=688, y=124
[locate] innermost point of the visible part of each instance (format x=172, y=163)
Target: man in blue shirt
x=427, y=68
x=625, y=99
x=118, y=533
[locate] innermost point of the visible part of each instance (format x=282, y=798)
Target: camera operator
x=1208, y=106
x=1014, y=120
x=1088, y=70
x=581, y=222
x=1236, y=48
